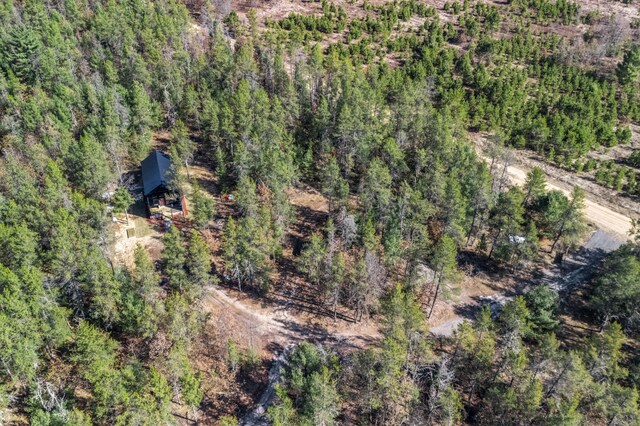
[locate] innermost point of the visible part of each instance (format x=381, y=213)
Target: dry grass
x=144, y=235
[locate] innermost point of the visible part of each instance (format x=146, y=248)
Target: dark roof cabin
x=161, y=198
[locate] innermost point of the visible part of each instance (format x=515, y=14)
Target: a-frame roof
x=156, y=171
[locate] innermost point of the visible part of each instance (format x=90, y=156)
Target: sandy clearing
x=124, y=246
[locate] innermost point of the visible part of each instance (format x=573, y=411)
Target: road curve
x=601, y=216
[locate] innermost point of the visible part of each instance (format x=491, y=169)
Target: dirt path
x=601, y=216
x=256, y=417
x=276, y=330
x=274, y=325
x=604, y=208
x=217, y=301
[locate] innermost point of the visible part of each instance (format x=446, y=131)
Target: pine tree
x=182, y=147
x=122, y=200
x=203, y=210
x=629, y=69
x=376, y=192
x=336, y=280
x=246, y=249
x=324, y=398
x=142, y=120
x=506, y=221
x=604, y=356
x=89, y=165
x=542, y=302
x=334, y=187
x=21, y=51
x=174, y=257
x=199, y=261
x=282, y=413
x=147, y=281
x=534, y=186
x=312, y=261
x=444, y=264
x=571, y=226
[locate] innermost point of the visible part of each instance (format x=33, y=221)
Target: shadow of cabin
x=162, y=199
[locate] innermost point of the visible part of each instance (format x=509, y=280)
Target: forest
x=373, y=107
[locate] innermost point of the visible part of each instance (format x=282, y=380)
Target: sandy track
x=274, y=324
x=607, y=212
x=601, y=216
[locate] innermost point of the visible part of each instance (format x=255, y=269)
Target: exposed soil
x=477, y=289
x=609, y=7
x=138, y=231
x=262, y=325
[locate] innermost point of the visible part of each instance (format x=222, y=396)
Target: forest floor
x=613, y=17
x=618, y=153
x=290, y=312
x=279, y=9
x=263, y=326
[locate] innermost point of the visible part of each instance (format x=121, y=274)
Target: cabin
x=162, y=199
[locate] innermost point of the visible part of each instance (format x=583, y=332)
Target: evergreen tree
x=571, y=225
x=182, y=147
x=146, y=282
x=199, y=260
x=629, y=68
x=203, y=210
x=444, y=267
x=542, y=302
x=282, y=413
x=506, y=221
x=534, y=186
x=21, y=51
x=174, y=256
x=245, y=251
x=122, y=200
x=312, y=260
x=616, y=291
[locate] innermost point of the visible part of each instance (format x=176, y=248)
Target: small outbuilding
x=162, y=198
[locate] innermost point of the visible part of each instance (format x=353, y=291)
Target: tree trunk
x=526, y=198
x=435, y=298
x=553, y=246
x=493, y=244
x=473, y=223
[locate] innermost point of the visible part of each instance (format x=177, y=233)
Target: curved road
x=601, y=216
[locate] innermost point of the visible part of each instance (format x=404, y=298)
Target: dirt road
x=611, y=218
x=272, y=324
x=277, y=330
x=601, y=216
x=604, y=208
